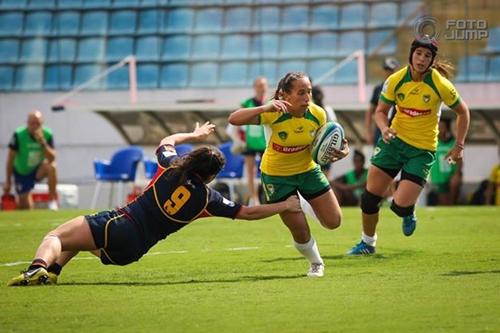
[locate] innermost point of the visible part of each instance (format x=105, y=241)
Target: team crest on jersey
x=312, y=133
x=401, y=96
x=299, y=130
x=426, y=98
x=283, y=135
x=270, y=189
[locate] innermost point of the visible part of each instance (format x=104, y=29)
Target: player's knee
x=402, y=211
x=333, y=221
x=370, y=203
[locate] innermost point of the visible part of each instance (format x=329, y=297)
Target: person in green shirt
x=446, y=178
x=349, y=187
x=31, y=158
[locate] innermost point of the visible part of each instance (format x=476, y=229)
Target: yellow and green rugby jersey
x=288, y=151
x=418, y=105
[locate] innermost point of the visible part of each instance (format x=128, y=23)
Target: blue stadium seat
x=350, y=42
x=294, y=45
x=323, y=44
x=291, y=66
x=147, y=76
x=411, y=9
x=232, y=172
x=383, y=39
x=208, y=20
x=94, y=23
x=91, y=49
x=269, y=69
x=45, y=4
x=38, y=23
x=6, y=77
x=86, y=72
x=353, y=16
x=494, y=69
x=57, y=77
x=176, y=47
x=125, y=3
x=206, y=47
x=264, y=45
x=69, y=4
x=151, y=2
x=477, y=68
x=9, y=50
x=238, y=19
x=493, y=40
x=33, y=50
x=118, y=79
x=325, y=16
x=147, y=48
x=233, y=74
x=149, y=21
x=174, y=75
x=118, y=48
x=67, y=23
x=11, y=23
x=383, y=15
x=235, y=46
x=29, y=78
x=295, y=17
x=267, y=18
x=14, y=4
x=96, y=3
x=179, y=20
x=62, y=50
x=123, y=22
x=203, y=75
x=319, y=67
x=348, y=74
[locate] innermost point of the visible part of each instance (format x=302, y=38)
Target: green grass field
x=225, y=276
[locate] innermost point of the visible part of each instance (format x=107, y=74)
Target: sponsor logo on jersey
x=227, y=202
x=376, y=151
x=415, y=112
x=283, y=135
x=288, y=150
x=426, y=98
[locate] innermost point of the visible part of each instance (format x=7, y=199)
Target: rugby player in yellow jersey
x=287, y=166
x=409, y=143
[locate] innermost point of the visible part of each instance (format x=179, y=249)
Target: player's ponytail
x=444, y=67
x=205, y=162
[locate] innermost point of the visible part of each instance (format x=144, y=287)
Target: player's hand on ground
x=338, y=154
x=278, y=105
x=388, y=134
x=201, y=132
x=455, y=154
x=293, y=204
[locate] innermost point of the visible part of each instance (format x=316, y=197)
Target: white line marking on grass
x=244, y=248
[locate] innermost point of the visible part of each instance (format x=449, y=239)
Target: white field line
x=244, y=248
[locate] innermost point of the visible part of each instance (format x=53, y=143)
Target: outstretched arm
x=249, y=116
x=291, y=204
x=200, y=133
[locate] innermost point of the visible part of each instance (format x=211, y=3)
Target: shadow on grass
x=461, y=273
x=377, y=256
x=192, y=281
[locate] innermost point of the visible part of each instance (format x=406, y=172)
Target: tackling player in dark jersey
x=176, y=196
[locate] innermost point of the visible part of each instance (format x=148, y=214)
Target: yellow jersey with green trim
x=288, y=151
x=418, y=105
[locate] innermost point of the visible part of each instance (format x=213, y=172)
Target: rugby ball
x=327, y=137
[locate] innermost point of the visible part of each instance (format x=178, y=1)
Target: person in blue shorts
x=176, y=196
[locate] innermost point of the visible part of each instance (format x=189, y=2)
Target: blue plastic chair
x=151, y=165
x=232, y=172
x=121, y=169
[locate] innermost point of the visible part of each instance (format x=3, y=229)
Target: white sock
x=372, y=241
x=310, y=251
